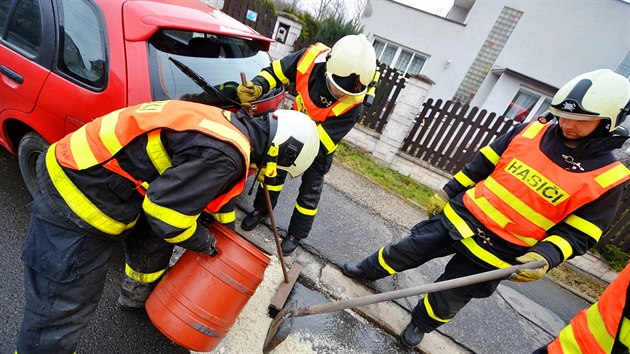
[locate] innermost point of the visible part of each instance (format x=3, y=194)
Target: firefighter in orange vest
x=332, y=85
x=142, y=175
x=543, y=191
x=602, y=328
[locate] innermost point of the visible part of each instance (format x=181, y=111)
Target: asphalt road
x=351, y=224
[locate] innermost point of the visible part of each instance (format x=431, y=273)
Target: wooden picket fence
x=447, y=134
x=390, y=85
x=265, y=19
x=618, y=234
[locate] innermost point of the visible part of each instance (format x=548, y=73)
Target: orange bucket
x=199, y=299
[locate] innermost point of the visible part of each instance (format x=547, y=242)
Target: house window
x=624, y=66
x=401, y=59
x=526, y=105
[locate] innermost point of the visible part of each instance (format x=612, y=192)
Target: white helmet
x=599, y=94
x=351, y=64
x=296, y=139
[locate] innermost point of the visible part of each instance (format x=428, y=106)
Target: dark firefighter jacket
x=569, y=238
x=201, y=166
x=285, y=70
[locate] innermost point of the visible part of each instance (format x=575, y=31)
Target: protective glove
x=248, y=92
x=263, y=178
x=527, y=275
x=436, y=203
x=208, y=246
x=205, y=219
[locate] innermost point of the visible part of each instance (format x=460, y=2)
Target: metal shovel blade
x=280, y=327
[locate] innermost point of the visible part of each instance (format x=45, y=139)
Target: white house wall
x=552, y=42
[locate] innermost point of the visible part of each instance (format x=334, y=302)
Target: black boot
x=411, y=336
x=252, y=220
x=133, y=294
x=353, y=270
x=289, y=244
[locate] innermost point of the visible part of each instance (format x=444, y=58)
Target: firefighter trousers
x=64, y=276
x=308, y=197
x=427, y=240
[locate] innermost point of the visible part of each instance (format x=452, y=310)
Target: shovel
x=281, y=325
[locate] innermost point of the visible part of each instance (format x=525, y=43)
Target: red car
x=66, y=62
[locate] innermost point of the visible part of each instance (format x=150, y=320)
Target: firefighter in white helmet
x=144, y=175
x=331, y=86
x=543, y=191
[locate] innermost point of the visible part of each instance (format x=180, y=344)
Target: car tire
x=31, y=146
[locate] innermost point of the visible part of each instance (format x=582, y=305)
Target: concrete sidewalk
x=356, y=217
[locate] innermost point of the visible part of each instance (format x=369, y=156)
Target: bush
x=616, y=258
x=333, y=29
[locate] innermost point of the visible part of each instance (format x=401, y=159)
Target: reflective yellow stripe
x=308, y=57
x=346, y=102
x=168, y=216
x=533, y=130
x=568, y=342
x=157, y=153
x=270, y=187
x=463, y=179
x=146, y=278
x=612, y=176
x=597, y=327
x=488, y=209
x=562, y=244
x=585, y=226
x=184, y=235
x=528, y=240
x=490, y=154
x=305, y=211
x=81, y=150
x=384, y=264
x=145, y=185
x=624, y=332
x=225, y=218
x=459, y=223
x=78, y=202
x=430, y=312
x=484, y=255
x=277, y=70
x=227, y=133
x=326, y=140
x=227, y=115
x=267, y=76
x=518, y=205
x=108, y=132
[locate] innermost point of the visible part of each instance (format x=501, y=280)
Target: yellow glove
x=436, y=203
x=248, y=92
x=527, y=275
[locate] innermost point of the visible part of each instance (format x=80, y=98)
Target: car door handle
x=11, y=74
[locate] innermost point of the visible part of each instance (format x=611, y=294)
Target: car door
x=26, y=53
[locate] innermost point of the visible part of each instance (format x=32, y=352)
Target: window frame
x=534, y=111
x=103, y=31
x=44, y=56
x=397, y=55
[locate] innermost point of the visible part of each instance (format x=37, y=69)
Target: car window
x=82, y=53
x=4, y=13
x=217, y=59
x=25, y=26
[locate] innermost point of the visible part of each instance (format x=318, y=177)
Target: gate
x=265, y=20
x=389, y=87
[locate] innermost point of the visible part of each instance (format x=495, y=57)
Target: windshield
x=218, y=60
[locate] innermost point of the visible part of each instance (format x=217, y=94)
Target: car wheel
x=31, y=146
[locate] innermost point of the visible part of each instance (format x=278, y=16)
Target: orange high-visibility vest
x=303, y=102
x=527, y=193
x=596, y=330
x=97, y=142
